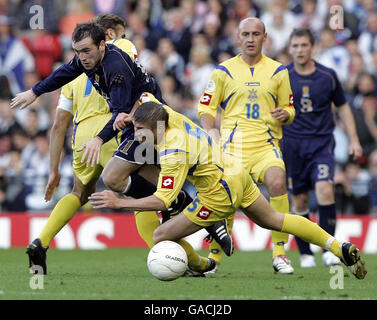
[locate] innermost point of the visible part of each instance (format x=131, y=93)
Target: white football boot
x=307, y=261
x=282, y=264
x=329, y=259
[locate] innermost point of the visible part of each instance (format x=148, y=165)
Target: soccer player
x=308, y=143
x=118, y=78
x=223, y=186
x=255, y=97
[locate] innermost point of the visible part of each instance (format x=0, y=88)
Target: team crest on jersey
x=96, y=78
x=291, y=100
x=305, y=92
x=118, y=78
x=204, y=213
x=253, y=96
x=211, y=86
x=167, y=182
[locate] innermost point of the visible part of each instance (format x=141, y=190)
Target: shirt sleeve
x=338, y=96
x=212, y=96
x=64, y=74
x=285, y=95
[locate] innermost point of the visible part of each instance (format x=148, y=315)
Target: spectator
x=310, y=18
x=46, y=49
x=332, y=55
x=15, y=58
x=137, y=26
x=79, y=11
x=198, y=71
x=36, y=174
x=359, y=179
x=7, y=119
x=12, y=187
x=173, y=62
x=278, y=30
x=143, y=53
x=242, y=9
x=109, y=6
x=178, y=32
x=368, y=39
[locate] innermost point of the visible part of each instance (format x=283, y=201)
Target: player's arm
x=63, y=75
x=285, y=111
x=63, y=117
x=347, y=118
x=170, y=182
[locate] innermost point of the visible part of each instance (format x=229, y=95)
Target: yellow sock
x=146, y=223
x=195, y=261
x=280, y=204
x=215, y=251
x=63, y=211
x=310, y=232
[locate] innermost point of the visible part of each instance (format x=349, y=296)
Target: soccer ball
x=167, y=260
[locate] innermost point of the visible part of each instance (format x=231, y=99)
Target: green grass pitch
x=122, y=274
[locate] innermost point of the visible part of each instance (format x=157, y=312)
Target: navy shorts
x=307, y=161
x=133, y=151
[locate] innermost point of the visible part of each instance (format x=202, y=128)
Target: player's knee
x=277, y=188
x=158, y=235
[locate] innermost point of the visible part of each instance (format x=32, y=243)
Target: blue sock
x=303, y=247
x=327, y=218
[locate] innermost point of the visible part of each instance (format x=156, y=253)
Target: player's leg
x=177, y=228
x=300, y=206
x=63, y=211
x=327, y=215
x=275, y=182
x=265, y=216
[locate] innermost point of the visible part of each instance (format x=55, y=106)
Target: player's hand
x=23, y=99
x=92, y=151
x=52, y=184
x=104, y=199
x=355, y=150
x=121, y=121
x=280, y=114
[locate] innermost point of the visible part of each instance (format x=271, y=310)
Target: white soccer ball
x=167, y=260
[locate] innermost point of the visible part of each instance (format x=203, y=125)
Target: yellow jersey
x=246, y=95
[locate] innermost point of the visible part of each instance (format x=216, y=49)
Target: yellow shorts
x=83, y=132
x=257, y=159
x=232, y=192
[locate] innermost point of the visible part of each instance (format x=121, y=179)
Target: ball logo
x=167, y=182
x=204, y=213
x=206, y=99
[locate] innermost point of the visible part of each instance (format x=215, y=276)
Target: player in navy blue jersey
x=308, y=143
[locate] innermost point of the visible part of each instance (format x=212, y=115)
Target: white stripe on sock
x=329, y=243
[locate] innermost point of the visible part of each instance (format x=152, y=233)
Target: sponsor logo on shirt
x=167, y=182
x=203, y=213
x=206, y=99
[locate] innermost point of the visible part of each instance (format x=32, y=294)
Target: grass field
x=115, y=274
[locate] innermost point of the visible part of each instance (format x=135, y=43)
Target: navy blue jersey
x=118, y=79
x=312, y=98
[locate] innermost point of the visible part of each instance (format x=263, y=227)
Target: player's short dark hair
x=109, y=21
x=89, y=29
x=302, y=32
x=151, y=112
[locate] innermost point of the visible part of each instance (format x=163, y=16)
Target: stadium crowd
x=179, y=42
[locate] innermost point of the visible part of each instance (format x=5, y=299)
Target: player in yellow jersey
x=187, y=151
x=90, y=111
x=255, y=97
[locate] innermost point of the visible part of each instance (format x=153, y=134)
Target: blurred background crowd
x=179, y=42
